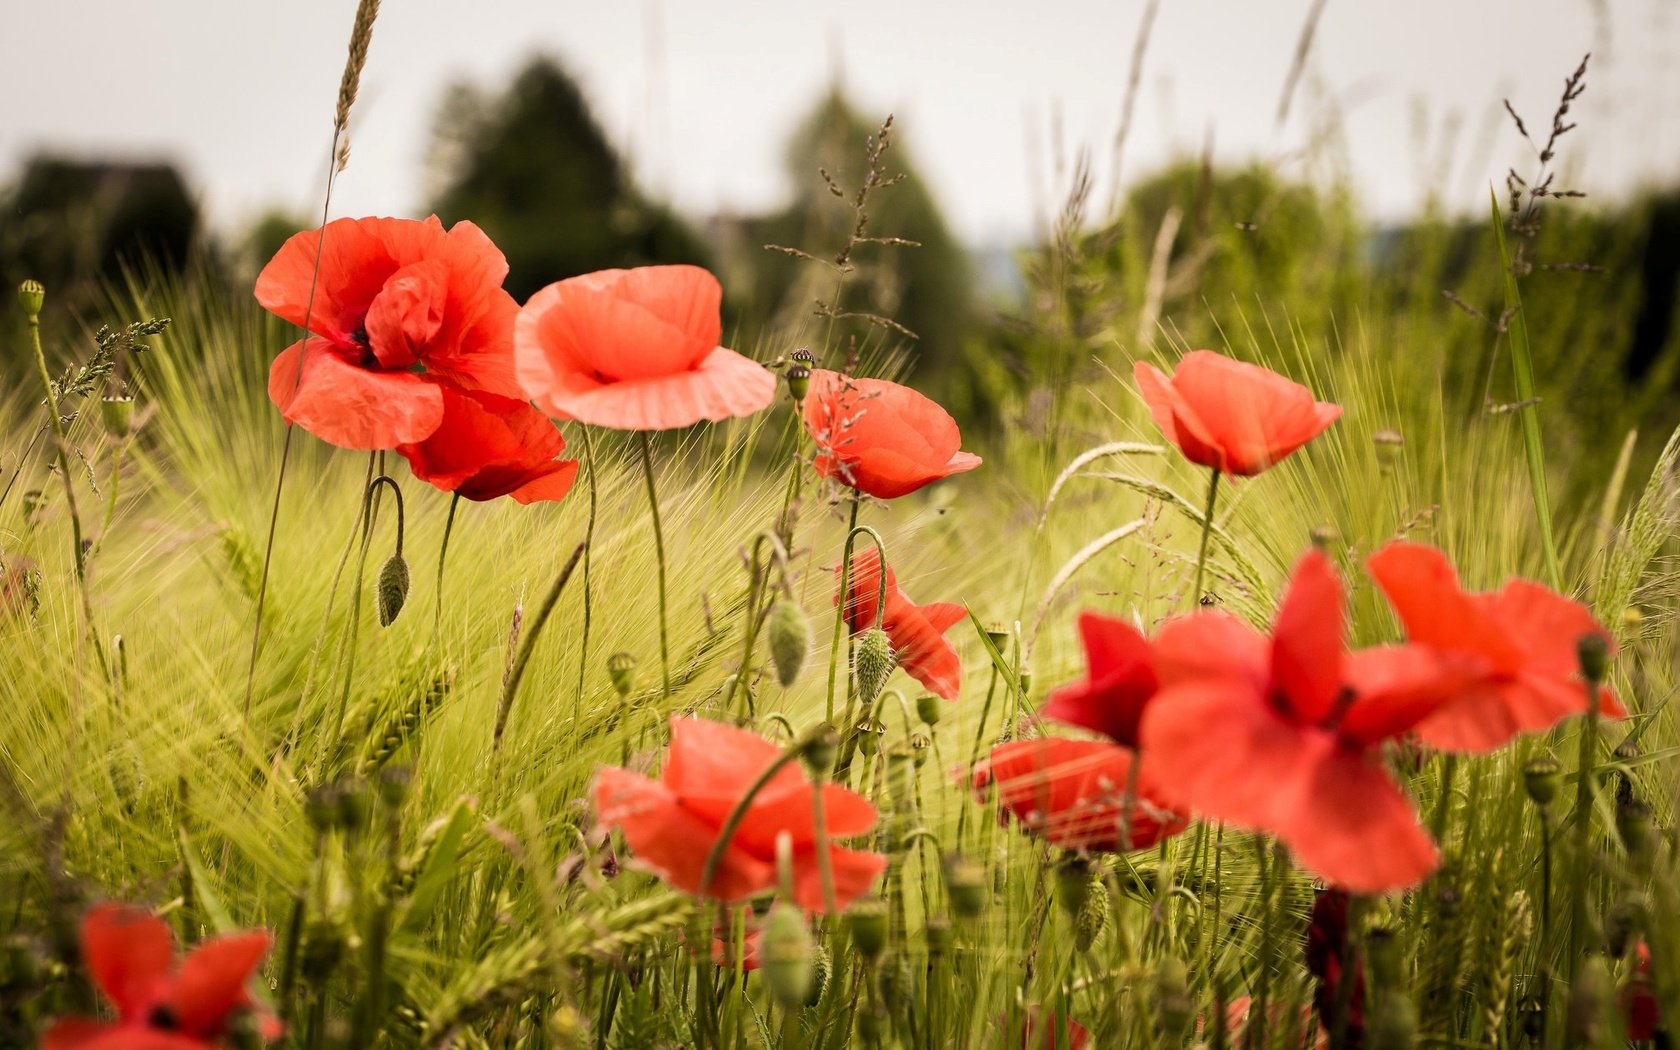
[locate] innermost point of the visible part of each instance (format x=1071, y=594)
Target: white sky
x=701, y=93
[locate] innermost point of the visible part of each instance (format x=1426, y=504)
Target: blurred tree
x=535, y=171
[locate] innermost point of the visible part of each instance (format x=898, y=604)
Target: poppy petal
x=1307, y=640
x=1177, y=420
x=1119, y=680
x=880, y=437
x=356, y=257
x=1395, y=687
x=1355, y=827
x=406, y=314
x=724, y=385
x=1254, y=416
x=672, y=842
x=710, y=759
x=129, y=952
x=853, y=871
x=348, y=406
x=1422, y=586
x=1211, y=644
x=212, y=982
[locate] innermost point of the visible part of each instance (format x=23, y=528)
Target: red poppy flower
x=393, y=297
x=1236, y=1020
x=1055, y=1032
x=671, y=823
x=161, y=1006
x=879, y=437
x=1524, y=637
x=1073, y=793
x=723, y=949
x=1119, y=681
x=1284, y=734
x=917, y=632
x=635, y=350
x=1639, y=1000
x=1230, y=415
x=488, y=446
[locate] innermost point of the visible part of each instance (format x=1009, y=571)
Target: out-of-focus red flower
x=723, y=949
x=1523, y=638
x=488, y=446
x=917, y=632
x=1053, y=1032
x=397, y=305
x=162, y=1006
x=1326, y=947
x=1638, y=999
x=1284, y=734
x=1119, y=681
x=1236, y=1020
x=1073, y=793
x=1232, y=416
x=671, y=823
x=879, y=437
x=635, y=349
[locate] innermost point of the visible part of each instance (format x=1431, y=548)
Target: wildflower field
x=392, y=662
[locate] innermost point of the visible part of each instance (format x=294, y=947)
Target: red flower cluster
x=671, y=823
x=917, y=632
x=162, y=1006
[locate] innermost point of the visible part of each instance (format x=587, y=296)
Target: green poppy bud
x=798, y=381
x=1541, y=777
x=392, y=591
x=1092, y=918
x=116, y=412
x=822, y=968
x=1073, y=882
x=872, y=663
x=965, y=882
x=866, y=920
x=784, y=955
x=929, y=709
x=621, y=668
x=1593, y=651
x=790, y=640
x=32, y=295
x=822, y=749
x=1393, y=1024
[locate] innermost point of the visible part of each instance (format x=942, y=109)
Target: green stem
x=588, y=554
x=840, y=609
x=659, y=551
x=511, y=688
x=1580, y=918
x=732, y=823
x=757, y=577
x=1207, y=531
x=443, y=553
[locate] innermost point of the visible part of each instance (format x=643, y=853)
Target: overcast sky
x=702, y=93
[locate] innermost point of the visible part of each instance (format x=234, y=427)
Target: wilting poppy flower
x=879, y=437
x=1119, y=681
x=1326, y=948
x=397, y=304
x=161, y=1006
x=635, y=350
x=917, y=632
x=1073, y=793
x=1284, y=734
x=671, y=823
x=1524, y=638
x=488, y=446
x=1232, y=416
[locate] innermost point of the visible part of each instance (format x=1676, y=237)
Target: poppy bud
x=1388, y=443
x=820, y=752
x=392, y=591
x=1324, y=537
x=822, y=968
x=1073, y=882
x=1088, y=925
x=929, y=709
x=1634, y=827
x=1541, y=777
x=784, y=955
x=32, y=295
x=1594, y=653
x=621, y=668
x=1172, y=998
x=116, y=412
x=965, y=882
x=1626, y=922
x=1393, y=1024
x=866, y=920
x=872, y=663
x=790, y=640
x=1590, y=996
x=799, y=381
x=1382, y=951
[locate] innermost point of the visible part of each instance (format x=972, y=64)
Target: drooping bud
x=621, y=668
x=929, y=709
x=1594, y=653
x=32, y=295
x=392, y=591
x=822, y=749
x=784, y=955
x=965, y=882
x=866, y=920
x=872, y=663
x=1590, y=998
x=1541, y=777
x=1073, y=883
x=790, y=640
x=1393, y=1024
x=798, y=381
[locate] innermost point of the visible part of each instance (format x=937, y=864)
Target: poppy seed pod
x=1541, y=778
x=1324, y=537
x=866, y=920
x=998, y=635
x=820, y=752
x=392, y=591
x=1594, y=653
x=872, y=663
x=116, y=412
x=929, y=709
x=799, y=381
x=1388, y=443
x=965, y=881
x=1073, y=882
x=803, y=356
x=32, y=295
x=784, y=955
x=621, y=668
x=790, y=640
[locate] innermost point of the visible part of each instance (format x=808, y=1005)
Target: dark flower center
x=163, y=1017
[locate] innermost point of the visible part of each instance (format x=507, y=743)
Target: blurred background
x=1087, y=181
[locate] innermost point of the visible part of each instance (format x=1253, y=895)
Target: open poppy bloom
x=879, y=437
x=1524, y=636
x=1073, y=793
x=488, y=446
x=1039, y=1031
x=917, y=632
x=671, y=823
x=161, y=1006
x=397, y=305
x=1119, y=681
x=635, y=350
x=1232, y=416
x=1285, y=734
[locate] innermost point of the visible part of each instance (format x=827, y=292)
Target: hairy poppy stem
x=1207, y=531
x=588, y=548
x=974, y=752
x=511, y=688
x=659, y=552
x=840, y=606
x=1580, y=917
x=370, y=512
x=821, y=733
x=757, y=578
x=443, y=552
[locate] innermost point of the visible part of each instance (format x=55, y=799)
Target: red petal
x=1355, y=828
x=672, y=842
x=711, y=759
x=1252, y=415
x=1307, y=640
x=212, y=982
x=129, y=953
x=1119, y=681
x=406, y=314
x=1398, y=686
x=1212, y=644
x=349, y=406
x=853, y=871
x=357, y=258
x=1424, y=590
x=1177, y=420
x=880, y=437
x=488, y=446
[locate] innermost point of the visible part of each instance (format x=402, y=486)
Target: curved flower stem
x=588, y=551
x=825, y=868
x=370, y=512
x=511, y=687
x=1207, y=530
x=443, y=552
x=755, y=595
x=659, y=552
x=732, y=823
